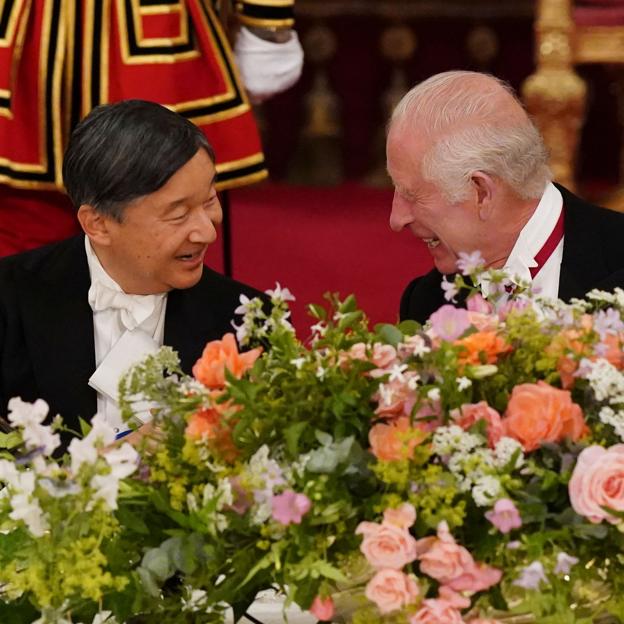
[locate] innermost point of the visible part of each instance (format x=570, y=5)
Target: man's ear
x=484, y=188
x=95, y=225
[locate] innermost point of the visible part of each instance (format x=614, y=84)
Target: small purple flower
x=601, y=349
x=449, y=322
x=608, y=322
x=531, y=576
x=468, y=263
x=565, y=563
x=450, y=289
x=504, y=516
x=514, y=545
x=290, y=507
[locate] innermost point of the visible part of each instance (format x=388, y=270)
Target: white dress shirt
x=529, y=243
x=146, y=313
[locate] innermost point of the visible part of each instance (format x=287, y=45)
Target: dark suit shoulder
x=422, y=297
x=43, y=259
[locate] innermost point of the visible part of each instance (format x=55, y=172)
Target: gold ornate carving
x=554, y=94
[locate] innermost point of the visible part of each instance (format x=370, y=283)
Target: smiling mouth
x=190, y=257
x=431, y=243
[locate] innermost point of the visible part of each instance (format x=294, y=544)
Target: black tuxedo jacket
x=46, y=326
x=593, y=257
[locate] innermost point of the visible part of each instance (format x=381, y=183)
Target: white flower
x=39, y=436
x=245, y=306
x=196, y=601
x=280, y=294
x=504, y=451
x=101, y=432
x=104, y=617
x=123, y=461
x=81, y=452
x=463, y=383
x=298, y=362
x=28, y=510
x=450, y=289
x=609, y=416
x=242, y=332
x=486, y=490
x=434, y=394
x=22, y=414
x=531, y=576
x=386, y=394
x=8, y=472
x=58, y=488
x=565, y=563
x=468, y=263
x=396, y=373
x=319, y=328
x=106, y=487
x=320, y=372
x=447, y=440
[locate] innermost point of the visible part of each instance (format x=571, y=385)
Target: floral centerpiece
x=468, y=470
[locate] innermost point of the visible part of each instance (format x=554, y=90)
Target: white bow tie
x=135, y=309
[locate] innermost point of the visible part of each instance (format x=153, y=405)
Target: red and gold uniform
x=61, y=58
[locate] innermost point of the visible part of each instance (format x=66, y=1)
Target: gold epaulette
x=266, y=13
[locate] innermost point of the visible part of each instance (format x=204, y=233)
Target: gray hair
x=471, y=129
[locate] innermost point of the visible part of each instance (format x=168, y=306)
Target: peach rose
x=381, y=355
x=322, y=608
x=539, y=413
x=391, y=590
x=219, y=355
x=386, y=545
x=597, y=482
x=452, y=565
x=482, y=347
x=470, y=413
x=398, y=398
x=208, y=425
x=403, y=516
x=435, y=611
x=484, y=621
x=442, y=558
x=396, y=440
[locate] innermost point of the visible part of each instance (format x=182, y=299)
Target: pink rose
x=476, y=303
x=403, y=516
x=452, y=565
x=470, y=413
x=434, y=611
x=398, y=398
x=381, y=355
x=386, y=545
x=476, y=578
x=597, y=481
x=443, y=559
x=391, y=590
x=322, y=608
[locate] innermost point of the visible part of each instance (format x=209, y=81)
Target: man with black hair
x=75, y=314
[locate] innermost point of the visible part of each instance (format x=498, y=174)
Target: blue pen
x=123, y=434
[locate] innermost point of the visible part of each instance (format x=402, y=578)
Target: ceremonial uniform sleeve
x=266, y=13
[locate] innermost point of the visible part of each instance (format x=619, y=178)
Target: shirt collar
x=534, y=234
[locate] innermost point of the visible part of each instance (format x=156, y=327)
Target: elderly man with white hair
x=471, y=173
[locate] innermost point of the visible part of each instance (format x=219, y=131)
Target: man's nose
x=401, y=215
x=205, y=227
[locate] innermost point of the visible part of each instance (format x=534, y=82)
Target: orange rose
x=210, y=426
x=482, y=347
x=219, y=355
x=539, y=413
x=396, y=440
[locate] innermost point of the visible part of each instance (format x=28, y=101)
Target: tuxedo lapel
x=583, y=265
x=58, y=326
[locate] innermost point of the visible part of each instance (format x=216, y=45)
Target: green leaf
x=317, y=311
x=329, y=571
x=10, y=440
x=292, y=435
x=389, y=334
x=85, y=427
x=409, y=328
x=323, y=437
